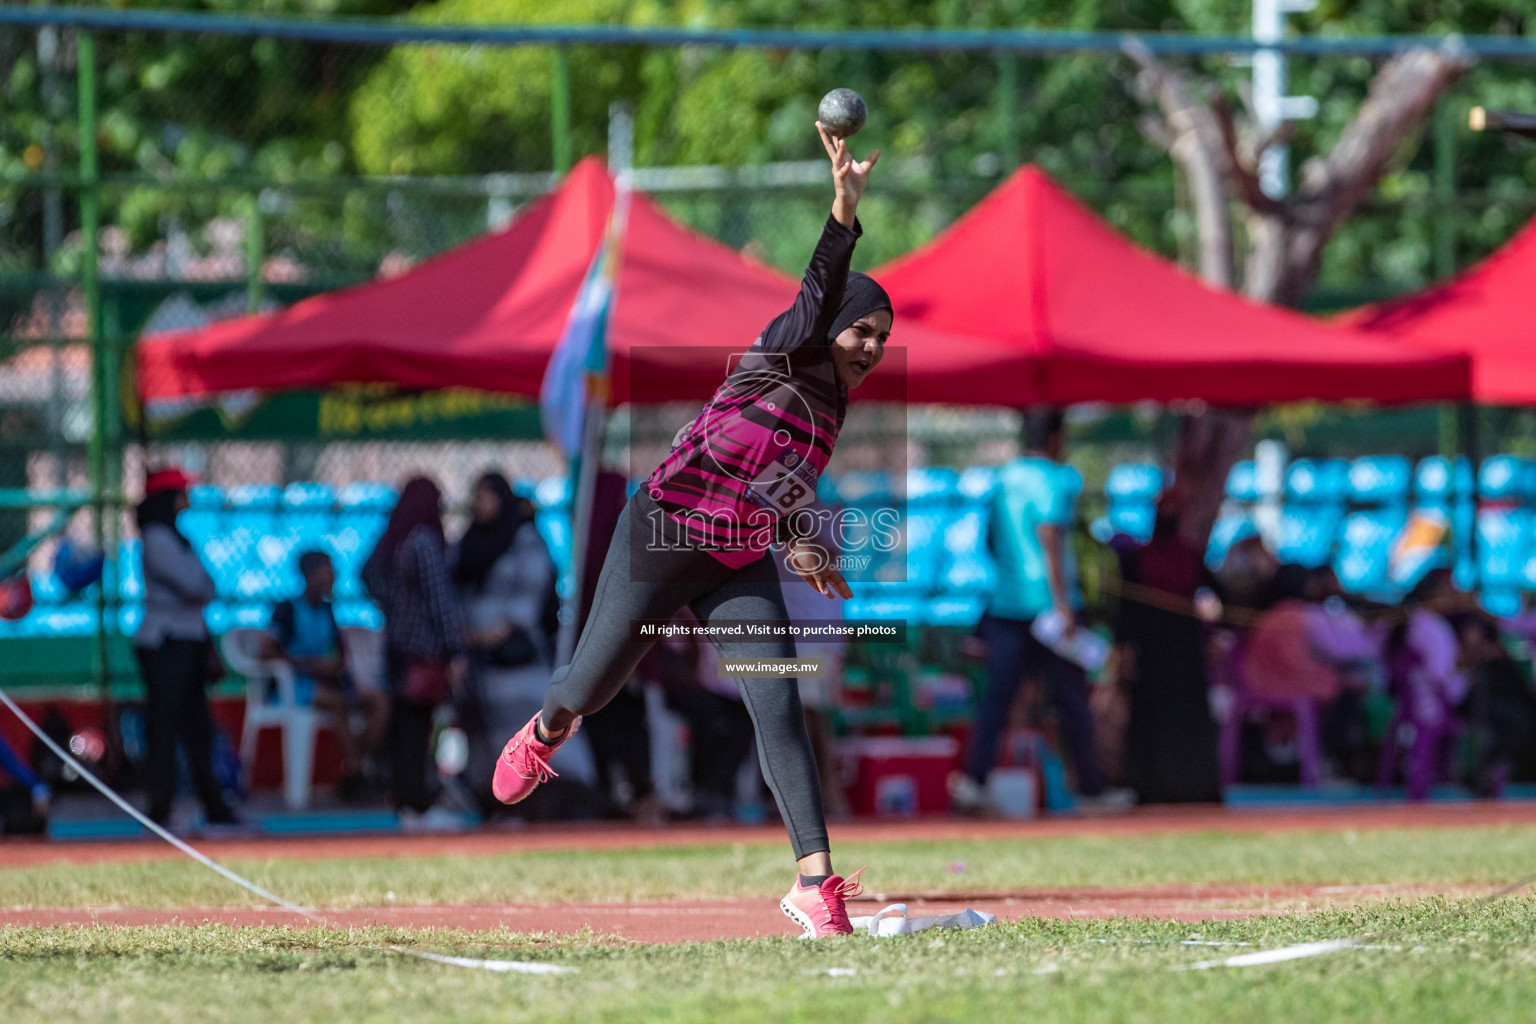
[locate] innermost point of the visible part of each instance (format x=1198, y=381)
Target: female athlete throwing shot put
x=699, y=532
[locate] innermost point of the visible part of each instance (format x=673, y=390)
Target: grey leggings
x=639, y=581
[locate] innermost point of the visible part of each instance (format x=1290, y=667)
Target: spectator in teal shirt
x=1032, y=516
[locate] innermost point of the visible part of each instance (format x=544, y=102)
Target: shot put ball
x=842, y=112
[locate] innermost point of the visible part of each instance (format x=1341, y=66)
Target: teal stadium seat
x=352, y=539
x=886, y=601
x=1380, y=480
x=553, y=492
x=1232, y=525
x=205, y=496
x=1500, y=600
x=967, y=568
x=1131, y=491
x=1510, y=478
x=1503, y=546
x=1363, y=555
x=1315, y=492
x=46, y=588
x=130, y=570
x=932, y=484
x=367, y=495
x=1229, y=529
x=923, y=540
x=1317, y=481
x=1443, y=488
x=1437, y=480
x=976, y=484
x=863, y=487
x=1243, y=481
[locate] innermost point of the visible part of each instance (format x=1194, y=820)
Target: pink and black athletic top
x=751, y=458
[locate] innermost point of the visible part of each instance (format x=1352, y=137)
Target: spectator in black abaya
x=424, y=637
x=1171, y=737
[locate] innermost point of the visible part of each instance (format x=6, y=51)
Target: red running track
x=703, y=920
x=709, y=920
x=493, y=842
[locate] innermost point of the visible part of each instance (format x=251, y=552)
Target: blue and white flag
x=577, y=375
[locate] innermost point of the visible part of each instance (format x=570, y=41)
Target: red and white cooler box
x=898, y=776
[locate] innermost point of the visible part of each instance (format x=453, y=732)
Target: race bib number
x=786, y=484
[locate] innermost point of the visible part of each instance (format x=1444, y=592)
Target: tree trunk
x=1214, y=438
x=1286, y=236
x=1192, y=135
x=1264, y=270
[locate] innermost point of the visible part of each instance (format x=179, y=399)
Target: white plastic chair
x=242, y=651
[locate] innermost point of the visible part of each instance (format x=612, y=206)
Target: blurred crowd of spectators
x=1260, y=672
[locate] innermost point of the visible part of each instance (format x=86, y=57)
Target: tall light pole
x=1271, y=105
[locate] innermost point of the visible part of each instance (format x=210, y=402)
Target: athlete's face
x=858, y=350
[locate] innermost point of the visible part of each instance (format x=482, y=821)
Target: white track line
x=1275, y=956
x=503, y=966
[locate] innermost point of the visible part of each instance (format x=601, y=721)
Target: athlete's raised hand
x=849, y=176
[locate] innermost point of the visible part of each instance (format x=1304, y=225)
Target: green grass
x=1460, y=856
x=1463, y=961
x=1449, y=964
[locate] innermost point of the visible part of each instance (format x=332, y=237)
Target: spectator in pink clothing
x=1308, y=643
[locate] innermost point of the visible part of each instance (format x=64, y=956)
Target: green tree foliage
x=283, y=111
x=477, y=109
x=466, y=110
x=182, y=106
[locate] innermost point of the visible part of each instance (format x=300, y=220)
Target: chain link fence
x=238, y=175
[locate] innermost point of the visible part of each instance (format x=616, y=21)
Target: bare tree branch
x=1245, y=96
x=1156, y=130
x=1194, y=141
x=1243, y=174
x=1401, y=97
x=1281, y=135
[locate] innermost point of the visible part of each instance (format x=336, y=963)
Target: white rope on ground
x=518, y=966
x=143, y=819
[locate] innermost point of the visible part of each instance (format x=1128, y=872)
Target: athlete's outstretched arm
x=821, y=289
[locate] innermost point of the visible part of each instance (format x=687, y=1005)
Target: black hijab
x=420, y=504
x=484, y=543
x=160, y=507
x=1289, y=583
x=861, y=297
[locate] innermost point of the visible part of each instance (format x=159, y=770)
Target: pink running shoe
x=524, y=763
x=819, y=909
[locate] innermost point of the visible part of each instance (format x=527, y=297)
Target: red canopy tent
x=1485, y=311
x=1102, y=320
x=488, y=314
